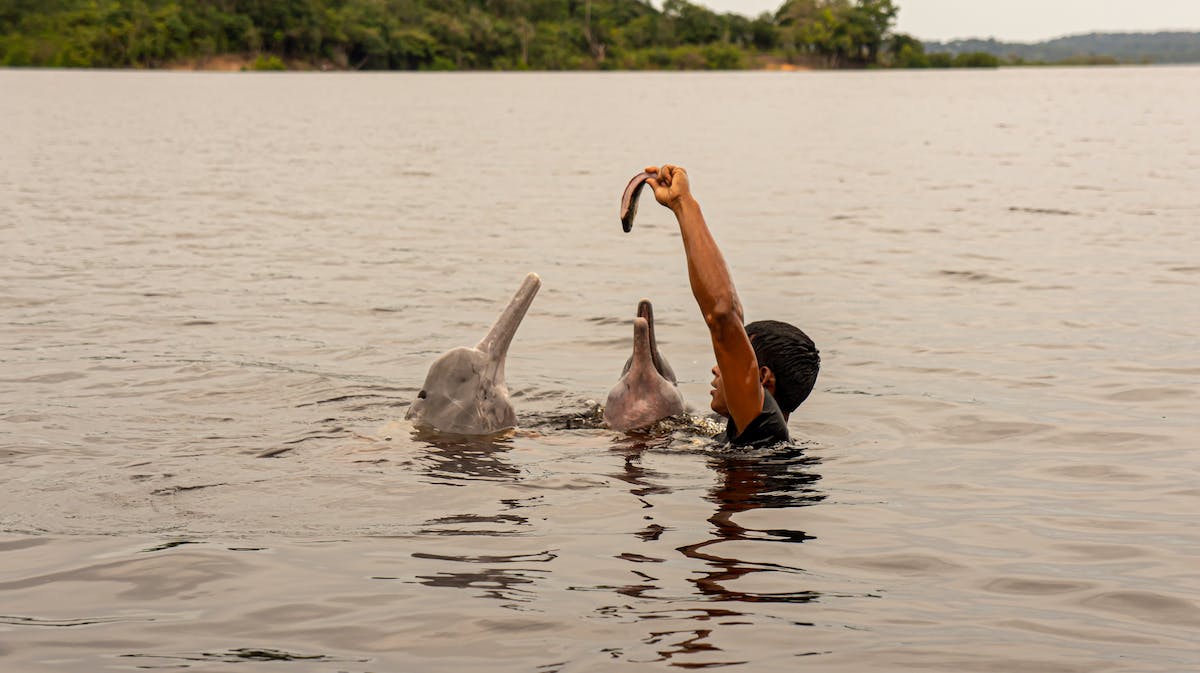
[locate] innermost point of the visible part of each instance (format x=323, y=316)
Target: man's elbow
x=724, y=315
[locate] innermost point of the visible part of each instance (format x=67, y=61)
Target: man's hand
x=671, y=186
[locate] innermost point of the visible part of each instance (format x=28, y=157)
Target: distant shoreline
x=245, y=66
x=234, y=62
x=243, y=63
x=424, y=35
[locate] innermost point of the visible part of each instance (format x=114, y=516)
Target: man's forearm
x=709, y=275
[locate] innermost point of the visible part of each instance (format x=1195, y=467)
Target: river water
x=220, y=292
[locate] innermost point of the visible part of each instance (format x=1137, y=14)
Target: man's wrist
x=683, y=203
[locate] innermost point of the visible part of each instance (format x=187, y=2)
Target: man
x=765, y=369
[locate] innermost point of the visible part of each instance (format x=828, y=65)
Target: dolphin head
x=643, y=395
x=464, y=391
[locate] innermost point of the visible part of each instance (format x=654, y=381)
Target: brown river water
x=220, y=292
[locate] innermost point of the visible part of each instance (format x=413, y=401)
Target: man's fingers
x=663, y=176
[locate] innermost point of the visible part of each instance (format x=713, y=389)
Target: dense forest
x=485, y=35
x=449, y=34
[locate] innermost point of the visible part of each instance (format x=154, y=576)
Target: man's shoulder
x=769, y=427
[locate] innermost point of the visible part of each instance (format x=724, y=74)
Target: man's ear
x=767, y=378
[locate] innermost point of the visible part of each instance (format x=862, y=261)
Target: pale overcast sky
x=1016, y=20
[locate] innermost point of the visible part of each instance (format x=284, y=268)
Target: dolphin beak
x=643, y=355
x=645, y=310
x=498, y=338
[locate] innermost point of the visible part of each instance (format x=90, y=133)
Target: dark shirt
x=769, y=427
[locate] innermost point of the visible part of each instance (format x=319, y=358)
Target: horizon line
x=1060, y=36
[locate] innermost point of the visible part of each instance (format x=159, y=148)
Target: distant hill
x=1166, y=47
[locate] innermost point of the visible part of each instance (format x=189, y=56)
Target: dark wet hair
x=792, y=357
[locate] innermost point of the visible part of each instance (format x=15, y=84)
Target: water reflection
x=632, y=448
x=462, y=457
x=687, y=642
x=515, y=585
x=780, y=477
x=509, y=524
x=450, y=460
x=235, y=656
x=674, y=644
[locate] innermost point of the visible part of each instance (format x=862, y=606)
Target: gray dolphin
x=464, y=392
x=646, y=392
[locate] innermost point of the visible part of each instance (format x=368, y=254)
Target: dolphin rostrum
x=464, y=392
x=646, y=392
x=645, y=310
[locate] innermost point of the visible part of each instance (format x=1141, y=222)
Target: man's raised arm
x=713, y=288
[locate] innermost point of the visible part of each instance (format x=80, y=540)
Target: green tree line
x=452, y=34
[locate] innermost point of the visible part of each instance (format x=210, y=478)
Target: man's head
x=788, y=363
x=791, y=357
